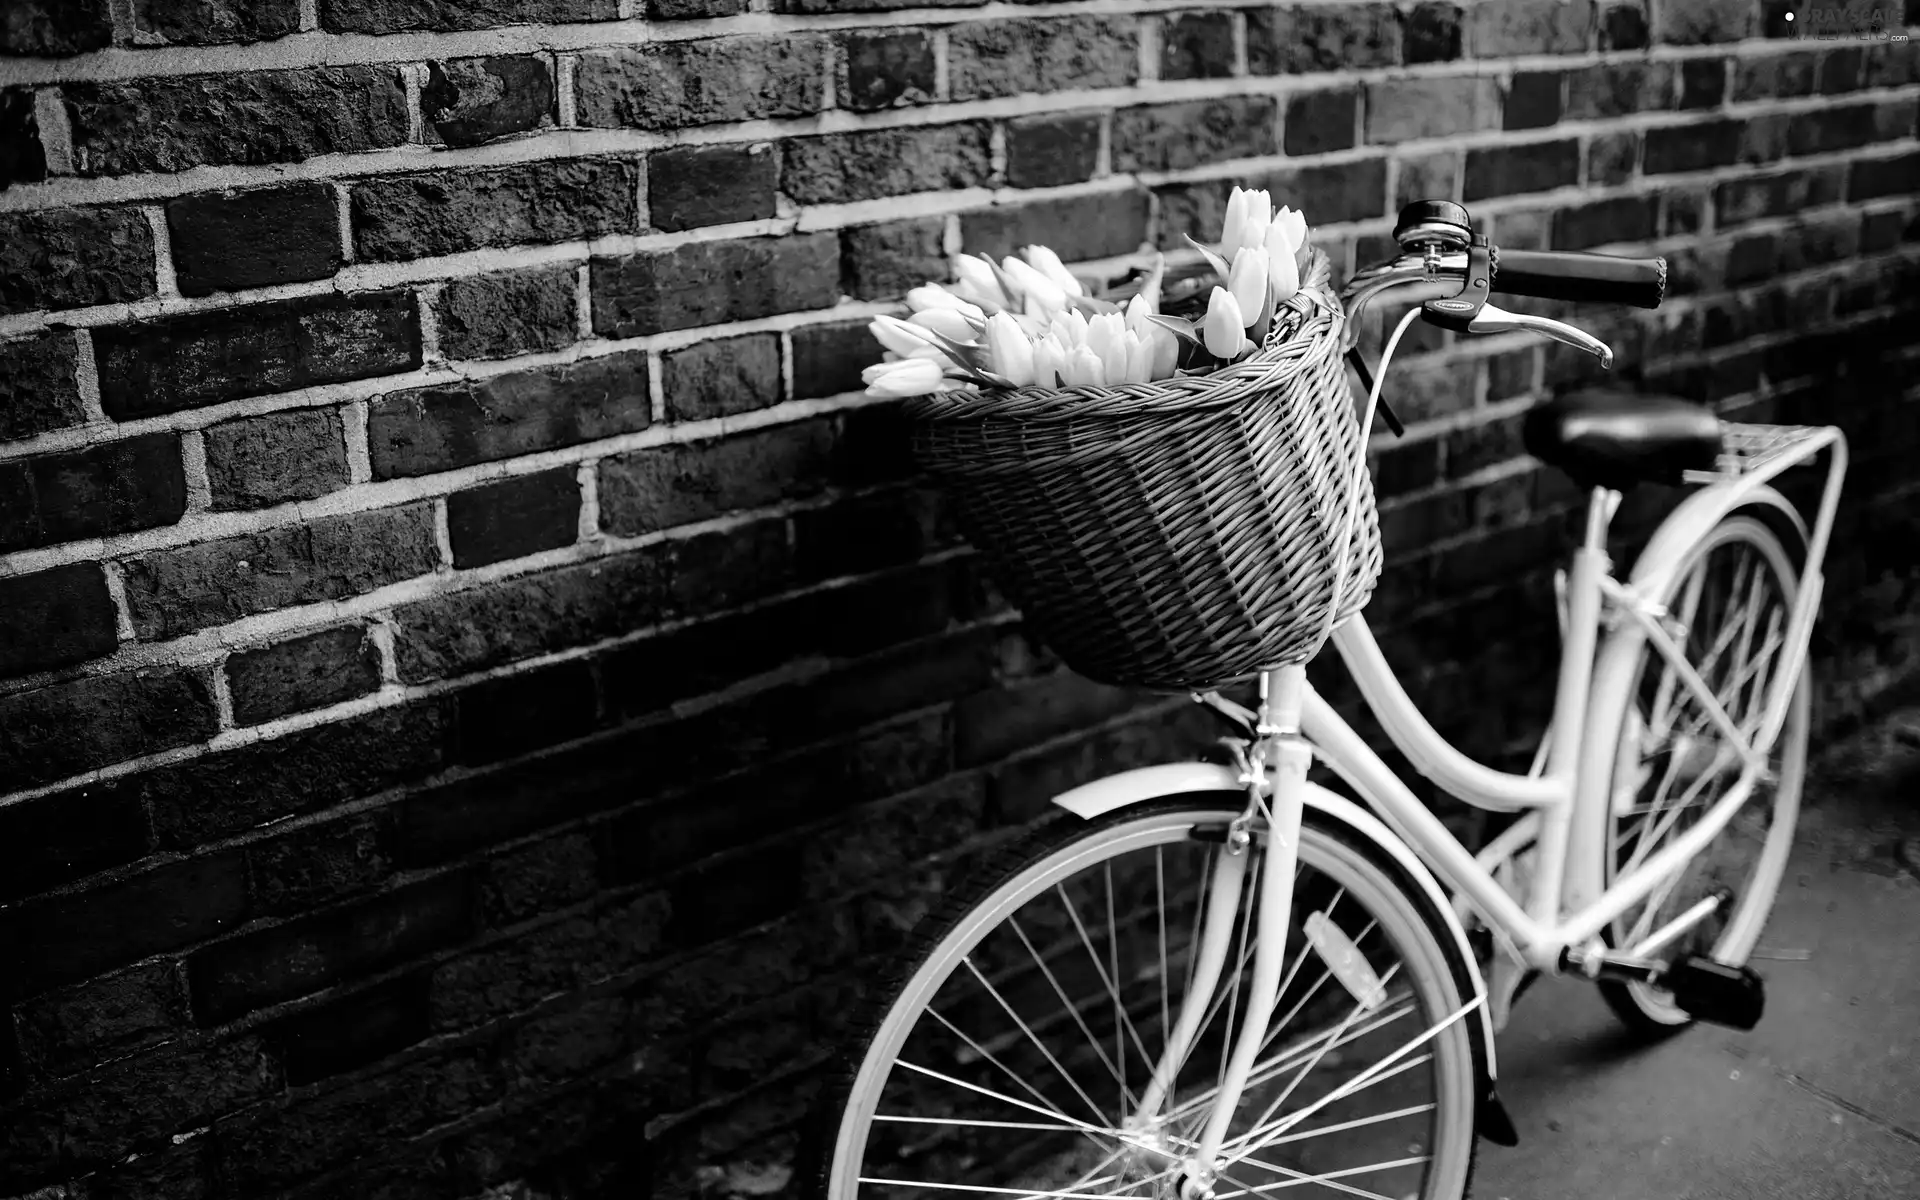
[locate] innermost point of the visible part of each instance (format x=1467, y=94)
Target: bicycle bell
x=1440, y=224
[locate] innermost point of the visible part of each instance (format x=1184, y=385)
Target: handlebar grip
x=1581, y=278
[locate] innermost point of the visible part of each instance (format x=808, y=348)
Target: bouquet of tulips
x=1026, y=321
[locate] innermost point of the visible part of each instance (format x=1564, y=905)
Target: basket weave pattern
x=1179, y=534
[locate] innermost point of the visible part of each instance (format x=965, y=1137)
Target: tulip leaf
x=1185, y=330
x=1213, y=259
x=1015, y=293
x=1092, y=307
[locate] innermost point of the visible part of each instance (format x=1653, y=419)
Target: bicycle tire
x=1621, y=719
x=843, y=1124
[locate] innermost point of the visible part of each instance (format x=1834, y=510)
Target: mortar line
x=343, y=200
x=588, y=528
x=193, y=455
x=56, y=135
x=166, y=277
x=353, y=430
x=222, y=696
x=566, y=114
x=86, y=378
x=122, y=609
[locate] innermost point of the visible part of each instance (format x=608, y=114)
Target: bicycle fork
x=1277, y=744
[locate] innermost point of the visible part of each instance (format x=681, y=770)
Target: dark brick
x=1683, y=212
x=442, y=823
x=228, y=241
x=55, y=618
x=1077, y=229
x=1699, y=22
x=1433, y=33
x=691, y=186
x=289, y=1145
x=249, y=118
x=258, y=462
x=416, y=216
x=217, y=22
x=1611, y=157
x=1006, y=58
x=352, y=1032
x=1051, y=150
x=302, y=673
x=78, y=935
x=219, y=794
x=1783, y=75
x=433, y=429
x=78, y=1026
x=567, y=1044
x=517, y=312
x=313, y=866
x=174, y=363
x=1843, y=128
x=67, y=836
x=1197, y=45
x=1752, y=197
x=1321, y=122
x=1702, y=82
x=1619, y=89
x=660, y=488
x=1427, y=177
x=1511, y=170
x=1890, y=64
x=710, y=283
x=1169, y=137
x=392, y=16
x=515, y=714
x=472, y=101
x=881, y=262
x=1624, y=27
x=722, y=377
x=1871, y=178
x=883, y=70
x=828, y=359
x=549, y=874
x=841, y=6
x=1501, y=28
x=167, y=1092
x=876, y=163
x=1603, y=222
x=585, y=602
x=136, y=483
x=1329, y=37
x=22, y=158
x=990, y=725
x=70, y=258
x=1533, y=100
x=1751, y=258
x=1400, y=110
x=558, y=957
x=1672, y=148
x=282, y=962
x=514, y=517
x=1480, y=446
x=56, y=27
x=670, y=85
x=1882, y=231
x=1511, y=374
x=171, y=592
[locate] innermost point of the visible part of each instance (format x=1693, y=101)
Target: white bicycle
x=1205, y=982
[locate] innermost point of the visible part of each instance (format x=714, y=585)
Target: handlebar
x=1584, y=278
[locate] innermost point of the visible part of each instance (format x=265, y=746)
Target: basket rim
x=1316, y=298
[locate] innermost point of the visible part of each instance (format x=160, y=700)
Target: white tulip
x=1139, y=358
x=929, y=297
x=1224, y=331
x=1166, y=353
x=1048, y=263
x=906, y=377
x=946, y=322
x=899, y=336
x=1235, y=222
x=1138, y=310
x=1259, y=220
x=1071, y=328
x=1295, y=226
x=1038, y=289
x=1009, y=353
x=976, y=281
x=1106, y=337
x=1049, y=361
x=1283, y=272
x=1247, y=280
x=1083, y=369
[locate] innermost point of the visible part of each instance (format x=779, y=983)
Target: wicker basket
x=1176, y=535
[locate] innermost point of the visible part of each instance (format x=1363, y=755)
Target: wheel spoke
x=1073, y=1010
x=1031, y=1037
x=1300, y=1076
x=1327, y=1178
x=1025, y=1193
x=1113, y=989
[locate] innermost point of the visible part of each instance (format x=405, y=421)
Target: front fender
x=1103, y=796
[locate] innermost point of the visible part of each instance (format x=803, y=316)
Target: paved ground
x=1821, y=1100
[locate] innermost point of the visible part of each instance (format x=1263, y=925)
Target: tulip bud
x=899, y=336
x=1009, y=353
x=1283, y=272
x=1296, y=226
x=1224, y=332
x=1071, y=328
x=946, y=322
x=1106, y=336
x=930, y=296
x=1038, y=289
x=907, y=377
x=1247, y=281
x=1083, y=369
x=977, y=281
x=1166, y=354
x=1259, y=219
x=1048, y=263
x=1234, y=226
x=1139, y=358
x=1138, y=310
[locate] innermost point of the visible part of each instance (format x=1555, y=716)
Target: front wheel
x=1734, y=595
x=1011, y=1054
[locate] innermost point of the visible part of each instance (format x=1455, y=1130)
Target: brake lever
x=1498, y=320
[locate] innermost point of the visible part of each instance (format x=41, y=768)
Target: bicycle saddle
x=1614, y=439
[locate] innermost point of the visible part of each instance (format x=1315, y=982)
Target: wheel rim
x=1734, y=597
x=1008, y=1065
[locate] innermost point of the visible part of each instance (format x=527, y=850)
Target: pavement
x=1821, y=1100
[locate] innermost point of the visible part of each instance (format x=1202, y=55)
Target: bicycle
x=1206, y=981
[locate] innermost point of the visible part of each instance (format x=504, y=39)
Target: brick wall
x=478, y=680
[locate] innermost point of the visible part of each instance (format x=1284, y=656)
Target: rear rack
x=1748, y=448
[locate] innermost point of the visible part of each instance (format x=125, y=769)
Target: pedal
x=1716, y=993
